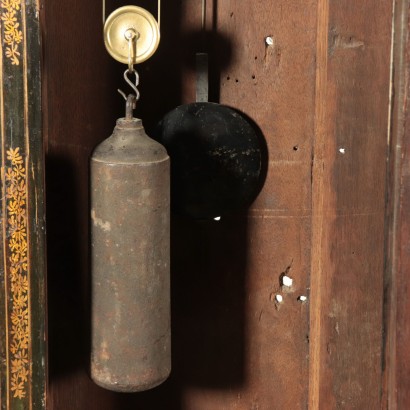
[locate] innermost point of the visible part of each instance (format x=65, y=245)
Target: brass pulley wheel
x=137, y=20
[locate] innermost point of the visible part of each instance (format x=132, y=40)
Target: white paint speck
x=269, y=41
x=287, y=281
x=218, y=218
x=302, y=299
x=342, y=150
x=279, y=298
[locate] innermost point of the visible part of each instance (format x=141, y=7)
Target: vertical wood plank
x=349, y=171
x=23, y=336
x=397, y=284
x=263, y=63
x=402, y=386
x=77, y=97
x=320, y=190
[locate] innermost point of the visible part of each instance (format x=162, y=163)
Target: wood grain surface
x=349, y=172
x=313, y=75
x=397, y=324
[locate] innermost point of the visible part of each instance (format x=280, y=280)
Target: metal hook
x=130, y=106
x=131, y=84
x=132, y=37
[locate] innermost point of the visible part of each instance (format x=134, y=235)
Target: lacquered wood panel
x=22, y=273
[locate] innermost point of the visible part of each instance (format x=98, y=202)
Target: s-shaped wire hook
x=131, y=84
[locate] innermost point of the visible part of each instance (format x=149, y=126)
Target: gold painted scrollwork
x=13, y=36
x=16, y=197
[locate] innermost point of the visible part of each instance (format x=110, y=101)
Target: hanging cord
x=159, y=15
x=203, y=15
x=104, y=14
x=203, y=25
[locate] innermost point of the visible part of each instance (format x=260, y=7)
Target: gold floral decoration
x=15, y=176
x=13, y=36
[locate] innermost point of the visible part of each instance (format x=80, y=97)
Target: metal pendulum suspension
x=132, y=38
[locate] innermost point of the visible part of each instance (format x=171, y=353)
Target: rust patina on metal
x=130, y=229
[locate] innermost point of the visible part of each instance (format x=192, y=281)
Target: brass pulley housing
x=137, y=24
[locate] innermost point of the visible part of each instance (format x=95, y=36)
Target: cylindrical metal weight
x=130, y=231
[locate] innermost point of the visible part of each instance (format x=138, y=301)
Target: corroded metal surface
x=130, y=260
